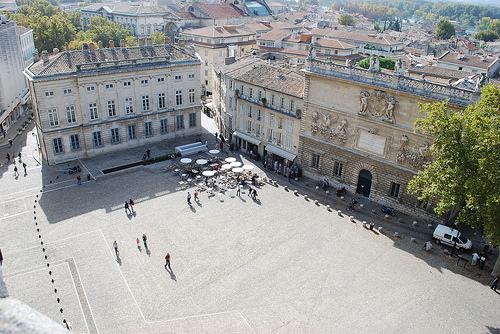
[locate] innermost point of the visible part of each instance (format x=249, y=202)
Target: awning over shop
x=282, y=153
x=247, y=138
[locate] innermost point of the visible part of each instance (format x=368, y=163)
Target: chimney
x=99, y=45
x=141, y=42
x=45, y=57
x=181, y=42
x=111, y=43
x=66, y=46
x=167, y=40
x=91, y=46
x=149, y=41
x=55, y=51
x=122, y=43
x=85, y=47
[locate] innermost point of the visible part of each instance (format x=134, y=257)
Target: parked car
x=449, y=236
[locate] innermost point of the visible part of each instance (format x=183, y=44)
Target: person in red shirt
x=167, y=261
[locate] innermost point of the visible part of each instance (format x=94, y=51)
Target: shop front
x=247, y=143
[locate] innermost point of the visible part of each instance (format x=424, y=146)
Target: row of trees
x=489, y=29
x=52, y=27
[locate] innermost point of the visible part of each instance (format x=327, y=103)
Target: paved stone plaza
x=281, y=264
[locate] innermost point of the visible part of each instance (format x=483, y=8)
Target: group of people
x=16, y=170
x=129, y=207
x=289, y=170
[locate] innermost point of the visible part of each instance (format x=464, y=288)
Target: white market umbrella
x=231, y=159
x=186, y=160
x=226, y=166
x=248, y=167
x=201, y=161
x=214, y=151
x=236, y=164
x=208, y=173
x=238, y=170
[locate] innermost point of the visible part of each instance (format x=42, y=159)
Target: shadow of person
x=134, y=213
x=199, y=204
x=140, y=249
x=148, y=252
x=172, y=275
x=193, y=209
x=118, y=259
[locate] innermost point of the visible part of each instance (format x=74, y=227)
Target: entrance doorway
x=364, y=183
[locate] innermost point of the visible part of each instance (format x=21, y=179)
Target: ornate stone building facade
x=90, y=102
x=357, y=129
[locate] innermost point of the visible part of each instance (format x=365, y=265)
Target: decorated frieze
x=378, y=104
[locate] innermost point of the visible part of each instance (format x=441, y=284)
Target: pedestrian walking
x=24, y=166
x=254, y=194
x=7, y=157
x=189, y=198
x=131, y=204
x=196, y=198
x=145, y=240
x=127, y=209
x=79, y=179
x=221, y=145
x=216, y=138
x=138, y=244
x=494, y=284
x=16, y=173
x=238, y=192
x=250, y=190
x=115, y=246
x=148, y=152
x=167, y=261
x=19, y=155
x=10, y=141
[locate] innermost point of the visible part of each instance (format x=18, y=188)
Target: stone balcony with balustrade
x=420, y=87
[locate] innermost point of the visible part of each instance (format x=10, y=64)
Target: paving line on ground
x=241, y=315
x=14, y=215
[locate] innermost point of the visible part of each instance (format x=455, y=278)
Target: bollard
x=328, y=208
x=429, y=226
x=372, y=225
x=339, y=212
x=361, y=206
x=341, y=198
x=380, y=229
x=396, y=235
x=296, y=192
x=327, y=192
x=351, y=218
x=415, y=223
x=286, y=188
x=413, y=239
x=317, y=188
x=316, y=202
x=306, y=197
x=386, y=216
x=374, y=211
x=364, y=223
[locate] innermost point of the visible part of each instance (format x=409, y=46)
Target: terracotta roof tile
x=218, y=32
x=474, y=61
x=221, y=10
x=275, y=34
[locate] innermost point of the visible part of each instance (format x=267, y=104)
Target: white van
x=448, y=236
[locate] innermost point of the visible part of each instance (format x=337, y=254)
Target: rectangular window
x=127, y=83
x=231, y=84
x=288, y=143
x=292, y=106
x=394, y=189
x=241, y=124
x=250, y=111
x=279, y=140
x=129, y=106
x=229, y=122
x=93, y=111
x=280, y=123
x=144, y=82
x=337, y=169
x=259, y=115
x=282, y=106
x=206, y=53
x=241, y=109
x=131, y=132
x=248, y=126
x=179, y=120
x=53, y=119
x=148, y=129
x=192, y=97
x=230, y=103
x=58, y=146
x=110, y=86
x=49, y=94
x=274, y=137
x=290, y=126
x=97, y=138
x=145, y=103
x=273, y=100
x=269, y=135
x=71, y=114
x=260, y=96
x=315, y=161
x=178, y=97
x=251, y=93
x=271, y=120
x=163, y=125
x=206, y=73
x=422, y=204
x=258, y=131
x=161, y=80
x=90, y=88
x=111, y=108
x=161, y=100
x=178, y=77
x=75, y=142
x=191, y=76
x=192, y=120
x=67, y=91
x=115, y=136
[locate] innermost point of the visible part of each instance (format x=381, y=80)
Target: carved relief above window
x=417, y=156
x=322, y=125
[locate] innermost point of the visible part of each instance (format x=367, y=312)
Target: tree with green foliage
x=158, y=38
x=347, y=20
x=486, y=35
x=464, y=176
x=131, y=41
x=444, y=29
x=102, y=29
x=386, y=63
